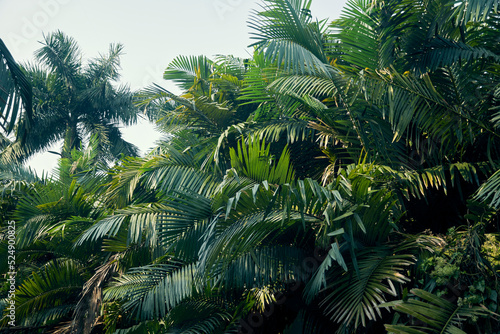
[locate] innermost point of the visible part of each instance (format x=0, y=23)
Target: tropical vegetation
x=73, y=102
x=345, y=179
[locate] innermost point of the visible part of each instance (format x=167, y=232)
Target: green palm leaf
x=286, y=34
x=361, y=41
x=355, y=299
x=49, y=293
x=489, y=191
x=106, y=67
x=443, y=52
x=138, y=219
x=151, y=291
x=62, y=55
x=198, y=316
x=252, y=160
x=475, y=10
x=189, y=72
x=14, y=89
x=440, y=315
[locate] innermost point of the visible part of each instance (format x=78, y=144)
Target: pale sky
x=153, y=33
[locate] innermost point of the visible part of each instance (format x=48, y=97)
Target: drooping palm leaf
x=15, y=94
x=286, y=34
x=489, y=191
x=475, y=10
x=49, y=293
x=151, y=291
x=355, y=298
x=440, y=315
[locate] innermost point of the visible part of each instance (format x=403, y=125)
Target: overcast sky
x=153, y=33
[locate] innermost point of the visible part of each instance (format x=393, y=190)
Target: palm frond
x=418, y=182
x=304, y=85
x=355, y=299
x=489, y=192
x=475, y=10
x=198, y=112
x=198, y=316
x=358, y=38
x=15, y=89
x=139, y=219
x=253, y=160
x=262, y=267
x=53, y=288
x=295, y=130
x=151, y=291
x=44, y=213
x=191, y=71
x=106, y=67
x=61, y=54
x=286, y=35
x=440, y=315
x=443, y=52
x=169, y=171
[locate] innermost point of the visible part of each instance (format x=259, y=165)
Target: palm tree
x=16, y=95
x=50, y=213
x=248, y=225
x=208, y=107
x=73, y=102
x=246, y=217
x=221, y=229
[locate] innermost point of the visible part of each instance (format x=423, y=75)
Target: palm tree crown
x=343, y=179
x=73, y=101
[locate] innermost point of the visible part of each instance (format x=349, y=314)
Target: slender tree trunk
x=71, y=138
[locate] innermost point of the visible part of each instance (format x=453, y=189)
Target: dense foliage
x=344, y=179
x=72, y=102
